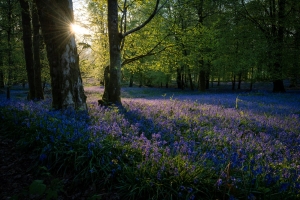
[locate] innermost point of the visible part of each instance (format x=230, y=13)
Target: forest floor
x=15, y=174
x=16, y=166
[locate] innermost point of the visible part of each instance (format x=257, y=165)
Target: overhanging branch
x=145, y=22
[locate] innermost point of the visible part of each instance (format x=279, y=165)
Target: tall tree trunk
x=1, y=79
x=141, y=80
x=9, y=51
x=8, y=92
x=1, y=71
x=182, y=78
x=131, y=80
x=178, y=79
x=233, y=82
x=252, y=80
x=202, y=76
x=114, y=86
x=207, y=80
x=207, y=74
x=190, y=78
x=115, y=39
x=106, y=83
x=279, y=36
x=167, y=81
x=36, y=54
x=27, y=44
x=67, y=89
x=296, y=66
x=239, y=81
x=202, y=81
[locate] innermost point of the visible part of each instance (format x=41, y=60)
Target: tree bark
x=114, y=86
x=279, y=37
x=233, y=82
x=67, y=89
x=1, y=72
x=207, y=80
x=9, y=35
x=179, y=80
x=252, y=79
x=36, y=54
x=27, y=44
x=106, y=82
x=202, y=76
x=115, y=40
x=202, y=81
x=239, y=80
x=131, y=80
x=296, y=60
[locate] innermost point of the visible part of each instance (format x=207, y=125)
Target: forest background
x=188, y=44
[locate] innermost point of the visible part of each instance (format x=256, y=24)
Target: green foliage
x=229, y=41
x=37, y=187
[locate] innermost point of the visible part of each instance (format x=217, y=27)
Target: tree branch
x=252, y=19
x=149, y=53
x=145, y=22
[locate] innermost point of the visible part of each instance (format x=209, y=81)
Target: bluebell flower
x=43, y=157
x=284, y=187
x=219, y=183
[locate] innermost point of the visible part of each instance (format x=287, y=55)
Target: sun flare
x=77, y=29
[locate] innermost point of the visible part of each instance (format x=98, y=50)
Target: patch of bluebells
x=254, y=138
x=50, y=127
x=245, y=134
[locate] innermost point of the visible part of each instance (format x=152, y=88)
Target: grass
x=164, y=144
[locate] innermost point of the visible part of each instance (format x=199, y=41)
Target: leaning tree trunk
x=27, y=44
x=67, y=89
x=39, y=94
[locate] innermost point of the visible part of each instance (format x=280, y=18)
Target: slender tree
x=1, y=68
x=36, y=54
x=27, y=44
x=116, y=37
x=55, y=18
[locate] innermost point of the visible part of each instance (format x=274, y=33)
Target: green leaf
x=37, y=187
x=52, y=194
